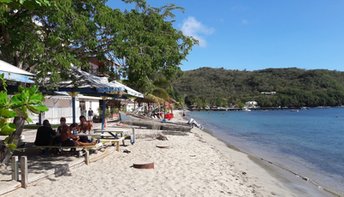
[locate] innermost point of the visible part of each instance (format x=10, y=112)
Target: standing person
x=90, y=114
x=45, y=134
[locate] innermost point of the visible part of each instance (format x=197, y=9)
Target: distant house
x=251, y=104
x=130, y=105
x=98, y=67
x=268, y=93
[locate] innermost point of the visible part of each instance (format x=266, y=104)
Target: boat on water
x=246, y=109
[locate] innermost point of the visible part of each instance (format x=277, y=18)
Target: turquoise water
x=309, y=142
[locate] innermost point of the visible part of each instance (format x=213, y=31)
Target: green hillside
x=294, y=87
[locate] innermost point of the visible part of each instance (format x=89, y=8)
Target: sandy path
x=189, y=167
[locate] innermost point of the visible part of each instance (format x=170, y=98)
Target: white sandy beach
x=193, y=165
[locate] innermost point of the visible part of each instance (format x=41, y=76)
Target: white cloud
x=192, y=27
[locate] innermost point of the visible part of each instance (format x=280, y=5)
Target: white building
x=268, y=93
x=251, y=104
x=61, y=106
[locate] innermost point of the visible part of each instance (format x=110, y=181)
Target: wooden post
x=24, y=171
x=73, y=95
x=40, y=119
x=14, y=166
x=87, y=157
x=132, y=137
x=117, y=146
x=103, y=113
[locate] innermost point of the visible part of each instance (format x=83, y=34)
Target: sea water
x=307, y=142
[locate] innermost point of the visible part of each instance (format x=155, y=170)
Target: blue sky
x=258, y=34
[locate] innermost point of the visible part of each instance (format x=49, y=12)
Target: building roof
x=14, y=73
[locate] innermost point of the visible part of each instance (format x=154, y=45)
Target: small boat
x=245, y=109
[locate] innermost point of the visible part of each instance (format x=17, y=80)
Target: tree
x=152, y=47
x=18, y=107
x=47, y=36
x=293, y=87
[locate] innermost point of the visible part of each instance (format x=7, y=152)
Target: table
x=112, y=138
x=114, y=131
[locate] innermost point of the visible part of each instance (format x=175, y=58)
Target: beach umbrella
x=88, y=84
x=154, y=99
x=129, y=91
x=13, y=73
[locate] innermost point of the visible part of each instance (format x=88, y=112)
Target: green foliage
x=19, y=105
x=46, y=36
x=26, y=3
x=161, y=93
x=294, y=87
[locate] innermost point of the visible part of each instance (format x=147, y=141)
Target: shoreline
x=196, y=163
x=285, y=175
x=267, y=108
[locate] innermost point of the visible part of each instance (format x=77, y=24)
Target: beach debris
x=162, y=146
x=176, y=133
x=305, y=178
x=127, y=151
x=62, y=169
x=161, y=137
x=244, y=173
x=144, y=165
x=193, y=123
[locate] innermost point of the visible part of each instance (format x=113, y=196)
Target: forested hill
x=294, y=87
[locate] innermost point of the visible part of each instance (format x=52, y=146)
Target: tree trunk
x=5, y=153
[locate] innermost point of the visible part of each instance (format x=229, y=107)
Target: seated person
x=45, y=134
x=57, y=140
x=66, y=137
x=62, y=125
x=70, y=139
x=83, y=127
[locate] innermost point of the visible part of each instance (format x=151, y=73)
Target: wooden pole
x=14, y=166
x=73, y=95
x=103, y=114
x=117, y=146
x=24, y=171
x=40, y=119
x=87, y=157
x=132, y=137
x=73, y=108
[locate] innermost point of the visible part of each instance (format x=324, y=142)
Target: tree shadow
x=39, y=162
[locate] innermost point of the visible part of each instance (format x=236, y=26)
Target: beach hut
x=60, y=105
x=87, y=84
x=128, y=91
